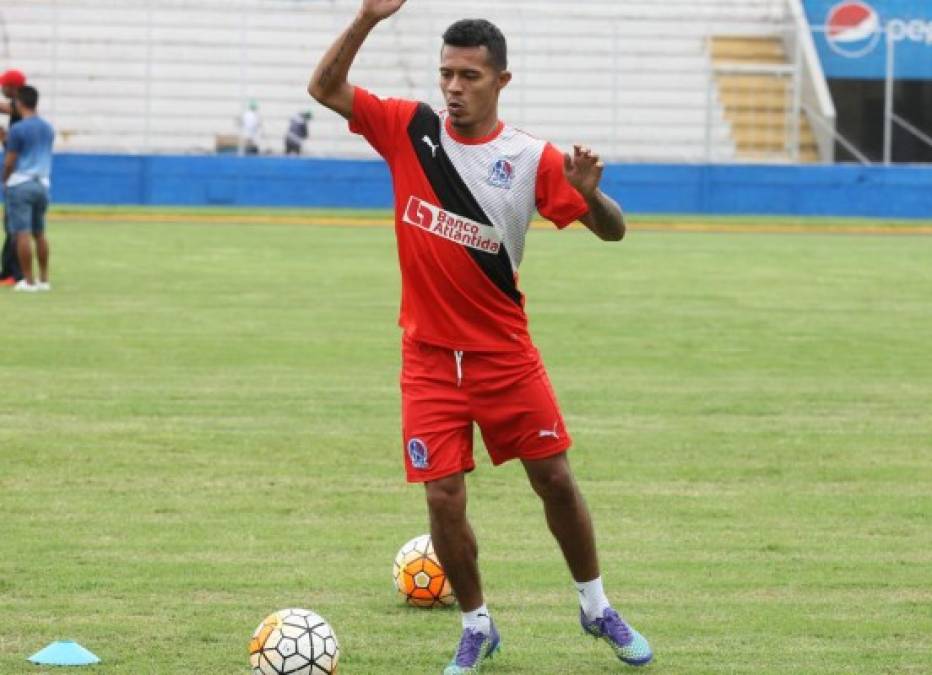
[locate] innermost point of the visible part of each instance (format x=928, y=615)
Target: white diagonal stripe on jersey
x=451, y=226
x=509, y=209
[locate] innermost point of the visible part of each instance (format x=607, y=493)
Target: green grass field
x=200, y=425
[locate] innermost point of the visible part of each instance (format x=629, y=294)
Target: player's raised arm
x=584, y=172
x=328, y=84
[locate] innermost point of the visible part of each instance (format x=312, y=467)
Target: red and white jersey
x=462, y=211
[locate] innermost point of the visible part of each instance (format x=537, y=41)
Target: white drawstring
x=459, y=367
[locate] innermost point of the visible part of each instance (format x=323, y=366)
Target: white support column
x=888, y=101
x=797, y=101
x=709, y=103
x=147, y=112
x=56, y=23
x=243, y=76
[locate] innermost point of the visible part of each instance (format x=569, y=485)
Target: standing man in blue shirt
x=27, y=169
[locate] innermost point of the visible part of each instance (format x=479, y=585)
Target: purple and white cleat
x=473, y=649
x=628, y=645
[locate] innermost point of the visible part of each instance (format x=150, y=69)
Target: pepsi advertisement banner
x=851, y=36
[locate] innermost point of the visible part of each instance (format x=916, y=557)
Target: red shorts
x=508, y=394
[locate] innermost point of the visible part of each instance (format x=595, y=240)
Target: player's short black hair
x=476, y=33
x=28, y=96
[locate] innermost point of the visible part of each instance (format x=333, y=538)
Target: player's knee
x=556, y=484
x=446, y=499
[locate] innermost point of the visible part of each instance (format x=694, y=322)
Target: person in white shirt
x=250, y=130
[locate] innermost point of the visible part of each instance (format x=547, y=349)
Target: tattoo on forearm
x=340, y=61
x=600, y=210
x=606, y=215
x=327, y=75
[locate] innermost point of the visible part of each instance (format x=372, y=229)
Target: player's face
x=470, y=86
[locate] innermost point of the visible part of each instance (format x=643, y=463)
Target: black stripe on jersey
x=455, y=196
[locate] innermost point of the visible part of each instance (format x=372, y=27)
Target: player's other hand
x=376, y=10
x=583, y=170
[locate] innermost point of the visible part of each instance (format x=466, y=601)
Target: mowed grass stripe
x=382, y=218
x=202, y=427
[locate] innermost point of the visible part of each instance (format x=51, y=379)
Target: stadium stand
x=630, y=77
x=758, y=97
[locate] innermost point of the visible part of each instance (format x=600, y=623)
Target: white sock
x=592, y=598
x=479, y=620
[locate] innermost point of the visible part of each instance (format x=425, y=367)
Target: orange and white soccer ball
x=294, y=642
x=419, y=577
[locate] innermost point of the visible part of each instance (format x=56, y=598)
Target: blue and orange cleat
x=628, y=645
x=473, y=649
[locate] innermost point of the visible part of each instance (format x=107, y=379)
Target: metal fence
x=890, y=118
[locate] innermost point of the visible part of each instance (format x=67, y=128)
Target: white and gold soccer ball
x=418, y=576
x=294, y=642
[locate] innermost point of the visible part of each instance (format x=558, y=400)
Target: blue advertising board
x=842, y=190
x=852, y=37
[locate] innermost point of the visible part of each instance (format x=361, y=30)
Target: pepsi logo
x=852, y=29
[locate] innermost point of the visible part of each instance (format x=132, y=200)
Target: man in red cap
x=10, y=81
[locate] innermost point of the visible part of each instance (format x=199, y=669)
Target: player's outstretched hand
x=583, y=170
x=380, y=9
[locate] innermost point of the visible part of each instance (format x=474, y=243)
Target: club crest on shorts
x=502, y=174
x=417, y=451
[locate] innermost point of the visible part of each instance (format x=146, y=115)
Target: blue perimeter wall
x=895, y=192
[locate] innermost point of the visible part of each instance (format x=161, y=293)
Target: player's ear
x=504, y=77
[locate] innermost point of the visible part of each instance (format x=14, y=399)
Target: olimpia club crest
x=417, y=452
x=502, y=174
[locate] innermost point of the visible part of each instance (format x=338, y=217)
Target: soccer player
x=466, y=186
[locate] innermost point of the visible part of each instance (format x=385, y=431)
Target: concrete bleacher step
x=752, y=134
x=755, y=100
x=753, y=139
x=758, y=84
x=740, y=49
x=806, y=156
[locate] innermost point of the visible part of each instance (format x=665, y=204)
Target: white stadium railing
x=816, y=100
